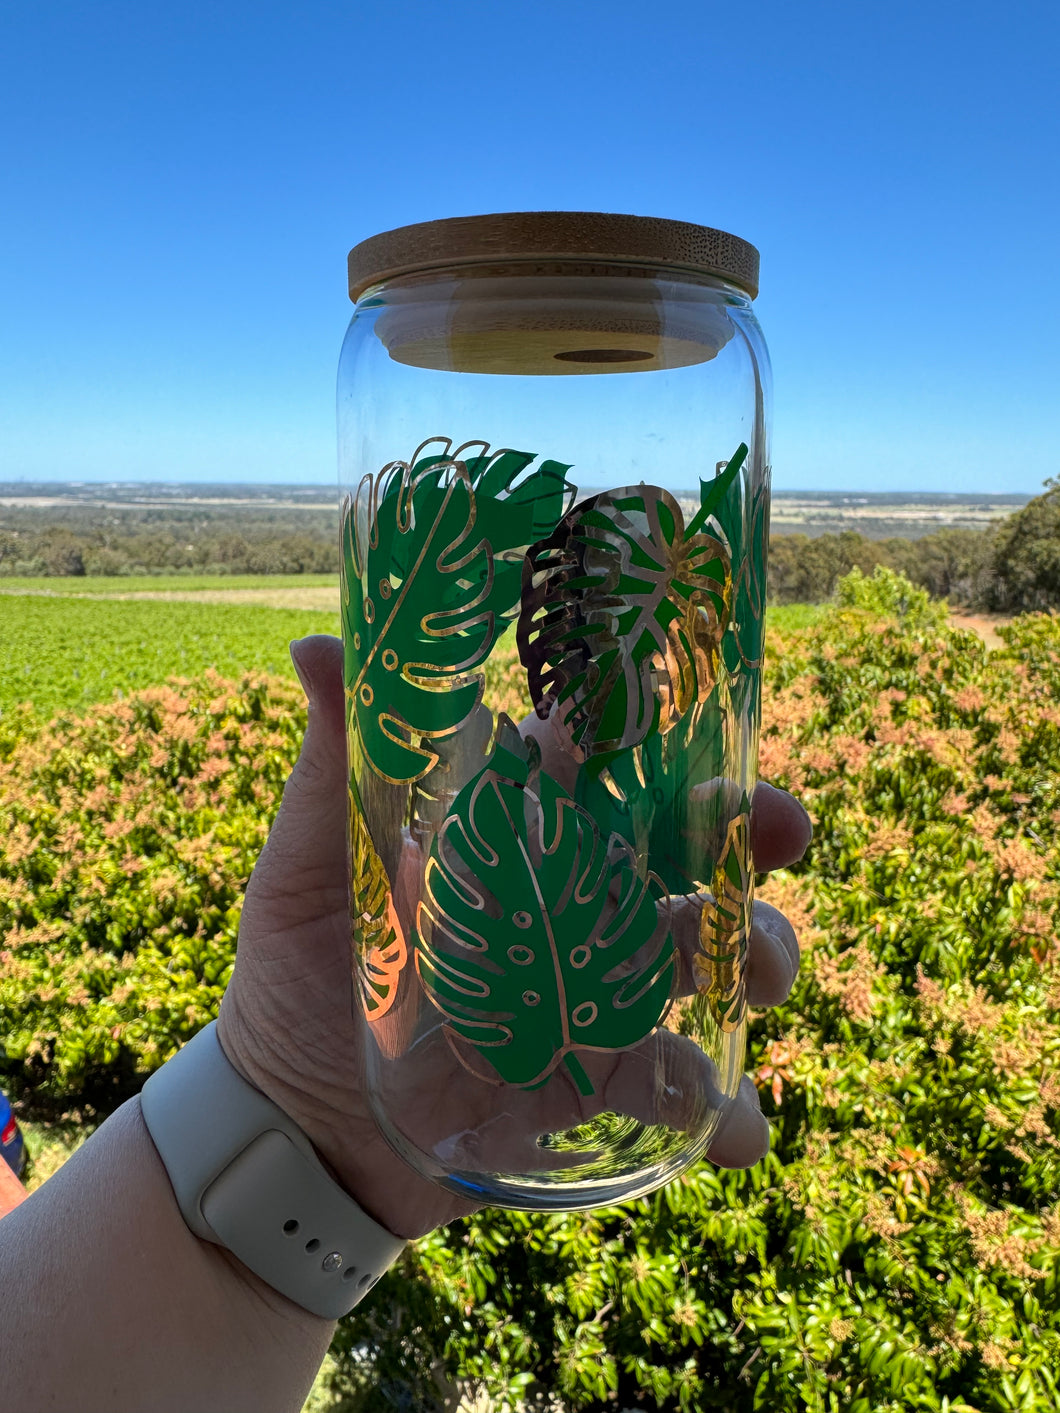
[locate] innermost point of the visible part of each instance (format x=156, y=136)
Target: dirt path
x=985, y=624
x=324, y=597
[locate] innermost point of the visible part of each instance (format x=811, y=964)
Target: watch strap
x=247, y=1178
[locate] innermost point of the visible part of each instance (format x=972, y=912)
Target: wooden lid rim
x=547, y=236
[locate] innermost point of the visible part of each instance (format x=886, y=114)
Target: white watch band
x=246, y=1177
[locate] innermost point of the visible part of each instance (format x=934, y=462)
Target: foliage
x=63, y=653
x=1027, y=556
x=953, y=564
x=889, y=595
x=900, y=1247
x=126, y=839
x=806, y=570
x=106, y=539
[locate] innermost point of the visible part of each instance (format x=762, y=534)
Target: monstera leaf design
x=511, y=514
x=742, y=516
x=672, y=795
x=379, y=948
x=666, y=797
x=623, y=616
x=748, y=628
x=715, y=497
x=719, y=963
x=431, y=566
x=535, y=937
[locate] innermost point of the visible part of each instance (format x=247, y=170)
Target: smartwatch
x=247, y=1178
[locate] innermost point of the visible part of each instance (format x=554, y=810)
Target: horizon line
x=22, y=487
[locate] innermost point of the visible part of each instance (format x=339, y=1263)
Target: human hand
x=290, y=1022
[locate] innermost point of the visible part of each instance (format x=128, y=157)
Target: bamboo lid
x=536, y=236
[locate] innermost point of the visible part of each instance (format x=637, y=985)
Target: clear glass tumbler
x=553, y=439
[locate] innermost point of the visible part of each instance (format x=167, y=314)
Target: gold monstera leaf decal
x=719, y=965
x=379, y=948
x=624, y=611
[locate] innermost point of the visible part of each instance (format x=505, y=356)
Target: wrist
x=337, y=1121
x=343, y=1136
x=246, y=1177
x=235, y=1277
x=113, y=1303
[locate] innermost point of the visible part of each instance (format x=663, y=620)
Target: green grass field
x=793, y=617
x=65, y=653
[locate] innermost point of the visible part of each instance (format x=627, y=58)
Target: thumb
x=303, y=864
x=318, y=662
x=287, y=1017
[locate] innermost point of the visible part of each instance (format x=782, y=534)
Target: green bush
x=126, y=839
x=890, y=595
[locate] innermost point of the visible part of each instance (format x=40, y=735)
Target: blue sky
x=181, y=183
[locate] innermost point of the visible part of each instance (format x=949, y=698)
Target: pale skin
x=107, y=1301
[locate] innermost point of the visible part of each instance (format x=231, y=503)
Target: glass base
x=582, y=1185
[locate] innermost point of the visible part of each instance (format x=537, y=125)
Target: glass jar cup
x=553, y=443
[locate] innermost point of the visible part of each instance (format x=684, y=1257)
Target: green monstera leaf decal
x=624, y=612
x=431, y=570
x=536, y=935
x=741, y=514
x=669, y=797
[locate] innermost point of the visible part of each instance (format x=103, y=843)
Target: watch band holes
x=313, y=1245
x=290, y=1228
x=364, y=1279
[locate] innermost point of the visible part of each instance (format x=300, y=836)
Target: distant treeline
x=1011, y=568
x=164, y=540
x=953, y=564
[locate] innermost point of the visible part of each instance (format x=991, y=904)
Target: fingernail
x=301, y=669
